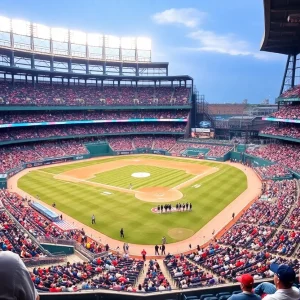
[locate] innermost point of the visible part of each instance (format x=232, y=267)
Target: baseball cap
x=245, y=279
x=284, y=272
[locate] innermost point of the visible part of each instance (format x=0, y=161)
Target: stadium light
x=128, y=43
x=5, y=25
x=41, y=31
x=143, y=43
x=112, y=41
x=20, y=27
x=59, y=34
x=95, y=39
x=77, y=37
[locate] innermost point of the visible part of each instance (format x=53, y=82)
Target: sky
x=216, y=42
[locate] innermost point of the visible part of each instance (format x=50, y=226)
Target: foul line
x=75, y=180
x=211, y=171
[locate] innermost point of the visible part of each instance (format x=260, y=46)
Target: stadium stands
x=61, y=95
x=213, y=150
x=80, y=130
x=54, y=116
x=291, y=93
x=291, y=132
x=287, y=112
x=285, y=155
x=272, y=172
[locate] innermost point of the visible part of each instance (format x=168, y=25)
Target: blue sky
x=216, y=42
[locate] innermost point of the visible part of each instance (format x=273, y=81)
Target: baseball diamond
x=78, y=191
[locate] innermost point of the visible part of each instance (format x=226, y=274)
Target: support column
x=294, y=69
x=32, y=62
x=12, y=59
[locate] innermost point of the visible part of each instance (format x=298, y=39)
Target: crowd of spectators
x=39, y=226
x=13, y=238
x=155, y=280
x=291, y=93
x=229, y=262
x=293, y=220
x=15, y=156
x=274, y=204
x=164, y=143
x=189, y=275
x=44, y=94
x=291, y=112
x=285, y=155
x=143, y=142
x=67, y=130
x=62, y=116
x=111, y=273
x=291, y=132
x=272, y=172
x=213, y=150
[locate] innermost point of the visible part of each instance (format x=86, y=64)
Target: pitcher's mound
x=180, y=233
x=158, y=194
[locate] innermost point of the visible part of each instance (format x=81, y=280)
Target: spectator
x=284, y=277
x=15, y=280
x=247, y=282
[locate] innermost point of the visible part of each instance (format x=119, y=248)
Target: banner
x=90, y=122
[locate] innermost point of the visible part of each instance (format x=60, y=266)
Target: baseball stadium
x=120, y=181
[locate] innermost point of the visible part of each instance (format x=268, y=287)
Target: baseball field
x=123, y=192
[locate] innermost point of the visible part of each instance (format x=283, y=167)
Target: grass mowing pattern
x=121, y=177
x=118, y=210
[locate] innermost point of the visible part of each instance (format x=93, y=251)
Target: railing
x=81, y=249
x=45, y=260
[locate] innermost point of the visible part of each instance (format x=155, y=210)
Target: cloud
x=229, y=44
x=189, y=17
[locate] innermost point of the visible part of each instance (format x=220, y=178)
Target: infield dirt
x=149, y=194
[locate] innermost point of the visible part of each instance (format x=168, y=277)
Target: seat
x=224, y=297
x=189, y=297
x=222, y=294
x=236, y=292
x=206, y=296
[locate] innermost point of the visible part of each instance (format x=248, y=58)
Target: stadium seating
x=291, y=112
x=291, y=132
x=97, y=129
x=54, y=116
x=285, y=155
x=61, y=95
x=213, y=150
x=272, y=172
x=291, y=93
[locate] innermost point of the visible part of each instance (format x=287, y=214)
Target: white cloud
x=229, y=44
x=189, y=17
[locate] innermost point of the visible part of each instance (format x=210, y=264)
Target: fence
x=81, y=249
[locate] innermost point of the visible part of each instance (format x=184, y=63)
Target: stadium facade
x=70, y=87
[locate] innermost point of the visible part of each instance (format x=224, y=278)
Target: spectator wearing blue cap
x=284, y=278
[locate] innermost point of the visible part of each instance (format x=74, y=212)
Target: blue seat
x=223, y=294
x=189, y=297
x=236, y=292
x=210, y=298
x=206, y=296
x=224, y=297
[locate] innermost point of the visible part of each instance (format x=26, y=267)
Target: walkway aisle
x=166, y=273
x=142, y=274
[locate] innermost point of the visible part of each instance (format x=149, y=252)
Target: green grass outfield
x=141, y=226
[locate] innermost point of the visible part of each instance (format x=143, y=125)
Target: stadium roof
x=280, y=35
